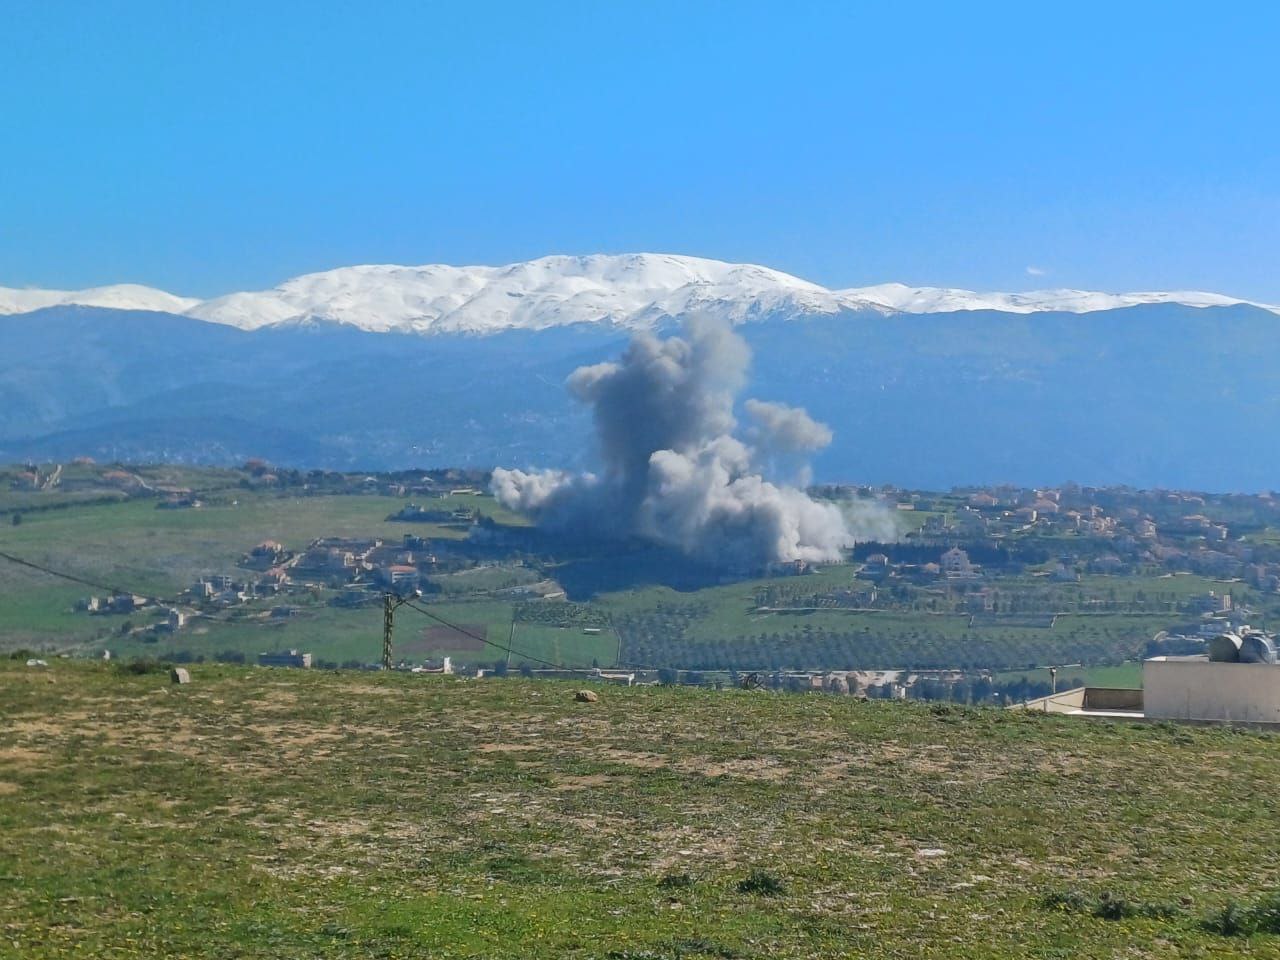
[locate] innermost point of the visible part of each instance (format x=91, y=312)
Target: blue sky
x=204, y=148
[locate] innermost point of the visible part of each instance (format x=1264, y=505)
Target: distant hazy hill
x=1154, y=394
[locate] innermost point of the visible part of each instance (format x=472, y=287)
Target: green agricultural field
x=567, y=645
x=721, y=627
x=262, y=814
x=89, y=531
x=340, y=635
x=1120, y=675
x=137, y=547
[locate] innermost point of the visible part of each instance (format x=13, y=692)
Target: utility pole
x=388, y=625
x=389, y=603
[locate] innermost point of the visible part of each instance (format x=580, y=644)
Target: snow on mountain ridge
x=630, y=291
x=903, y=299
x=120, y=296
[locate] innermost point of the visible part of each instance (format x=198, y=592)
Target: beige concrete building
x=1195, y=688
x=1192, y=689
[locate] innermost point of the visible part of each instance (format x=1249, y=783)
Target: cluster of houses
x=1005, y=511
x=227, y=590
x=1138, y=529
x=343, y=561
x=123, y=603
x=171, y=621
x=953, y=564
x=885, y=684
x=982, y=515
x=360, y=564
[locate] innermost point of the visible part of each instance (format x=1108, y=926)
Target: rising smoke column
x=673, y=470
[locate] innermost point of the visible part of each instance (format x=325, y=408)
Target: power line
x=59, y=573
x=506, y=648
x=117, y=590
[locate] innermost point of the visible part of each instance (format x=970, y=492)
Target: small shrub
x=1066, y=901
x=1266, y=915
x=762, y=883
x=675, y=881
x=1107, y=906
x=514, y=868
x=337, y=931
x=1157, y=911
x=1235, y=920
x=1110, y=907
x=140, y=666
x=22, y=653
x=1227, y=922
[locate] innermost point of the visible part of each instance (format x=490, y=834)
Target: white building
x=955, y=563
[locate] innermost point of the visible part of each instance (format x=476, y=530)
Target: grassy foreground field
x=259, y=813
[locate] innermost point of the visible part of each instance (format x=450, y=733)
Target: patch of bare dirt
x=645, y=761
x=746, y=768
x=21, y=756
x=583, y=782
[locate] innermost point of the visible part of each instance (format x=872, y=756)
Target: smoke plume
x=786, y=429
x=674, y=472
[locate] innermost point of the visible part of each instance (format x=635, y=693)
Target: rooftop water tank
x=1257, y=648
x=1225, y=648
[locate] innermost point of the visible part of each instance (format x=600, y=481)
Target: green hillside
x=259, y=813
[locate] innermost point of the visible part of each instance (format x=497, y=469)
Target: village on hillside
x=979, y=580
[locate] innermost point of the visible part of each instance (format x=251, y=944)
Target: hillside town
x=978, y=580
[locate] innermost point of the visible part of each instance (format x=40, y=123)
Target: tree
x=983, y=688
x=17, y=518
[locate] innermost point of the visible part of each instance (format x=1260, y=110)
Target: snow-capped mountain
x=120, y=296
x=897, y=298
x=627, y=291
x=302, y=375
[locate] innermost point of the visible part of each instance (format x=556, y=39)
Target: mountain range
x=382, y=367
x=629, y=291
